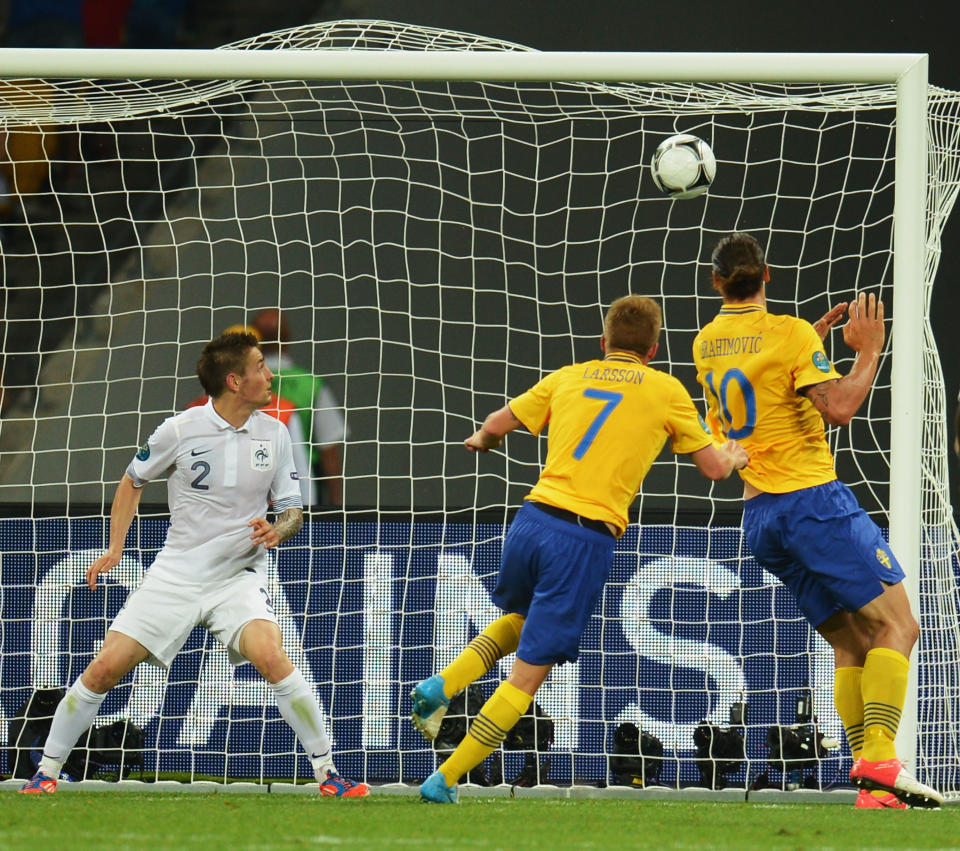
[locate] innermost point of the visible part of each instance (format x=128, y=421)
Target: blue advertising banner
x=689, y=626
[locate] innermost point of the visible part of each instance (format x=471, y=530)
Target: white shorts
x=162, y=613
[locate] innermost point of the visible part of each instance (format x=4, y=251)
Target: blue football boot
x=429, y=706
x=434, y=790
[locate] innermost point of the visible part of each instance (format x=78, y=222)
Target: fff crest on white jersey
x=261, y=454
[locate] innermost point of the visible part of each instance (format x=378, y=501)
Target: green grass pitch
x=145, y=820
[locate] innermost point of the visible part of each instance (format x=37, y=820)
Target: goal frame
x=908, y=71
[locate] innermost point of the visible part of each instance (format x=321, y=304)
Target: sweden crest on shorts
x=884, y=559
x=261, y=455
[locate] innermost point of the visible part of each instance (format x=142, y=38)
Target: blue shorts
x=552, y=572
x=822, y=545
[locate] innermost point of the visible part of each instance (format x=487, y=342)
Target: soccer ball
x=683, y=166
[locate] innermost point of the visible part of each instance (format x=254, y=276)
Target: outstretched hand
x=479, y=441
x=823, y=325
x=865, y=331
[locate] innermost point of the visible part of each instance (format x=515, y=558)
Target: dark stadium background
x=741, y=25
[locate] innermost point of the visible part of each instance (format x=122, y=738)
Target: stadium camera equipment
x=797, y=749
x=464, y=706
x=721, y=750
x=637, y=757
x=533, y=733
x=109, y=751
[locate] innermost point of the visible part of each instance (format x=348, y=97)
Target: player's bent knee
x=275, y=669
x=910, y=631
x=516, y=622
x=900, y=634
x=262, y=644
x=903, y=625
x=101, y=676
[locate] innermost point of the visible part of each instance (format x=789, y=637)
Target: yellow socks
x=848, y=699
x=501, y=711
x=884, y=689
x=495, y=719
x=480, y=655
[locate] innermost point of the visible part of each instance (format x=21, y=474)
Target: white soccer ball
x=683, y=166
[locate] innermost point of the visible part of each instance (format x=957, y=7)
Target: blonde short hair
x=633, y=324
x=244, y=329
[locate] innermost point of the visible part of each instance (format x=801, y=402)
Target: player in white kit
x=223, y=462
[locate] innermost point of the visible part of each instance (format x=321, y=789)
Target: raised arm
x=124, y=509
x=718, y=463
x=838, y=400
x=495, y=427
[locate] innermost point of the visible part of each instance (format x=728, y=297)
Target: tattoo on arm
x=819, y=395
x=288, y=523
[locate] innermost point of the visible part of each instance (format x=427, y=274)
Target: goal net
x=436, y=247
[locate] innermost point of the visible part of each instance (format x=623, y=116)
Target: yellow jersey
x=608, y=422
x=753, y=366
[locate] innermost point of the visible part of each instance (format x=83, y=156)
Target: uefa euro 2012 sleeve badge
x=820, y=362
x=143, y=452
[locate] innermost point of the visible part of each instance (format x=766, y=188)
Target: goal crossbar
x=519, y=65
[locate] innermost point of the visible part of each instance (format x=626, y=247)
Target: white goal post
x=359, y=149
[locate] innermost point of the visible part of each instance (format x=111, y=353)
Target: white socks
x=295, y=700
x=298, y=706
x=74, y=715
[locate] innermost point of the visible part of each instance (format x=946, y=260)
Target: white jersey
x=219, y=478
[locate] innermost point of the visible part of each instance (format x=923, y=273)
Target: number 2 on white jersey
x=204, y=468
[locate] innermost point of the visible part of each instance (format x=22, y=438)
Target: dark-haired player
x=769, y=385
x=223, y=461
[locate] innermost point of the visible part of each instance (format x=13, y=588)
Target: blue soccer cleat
x=429, y=706
x=39, y=784
x=434, y=790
